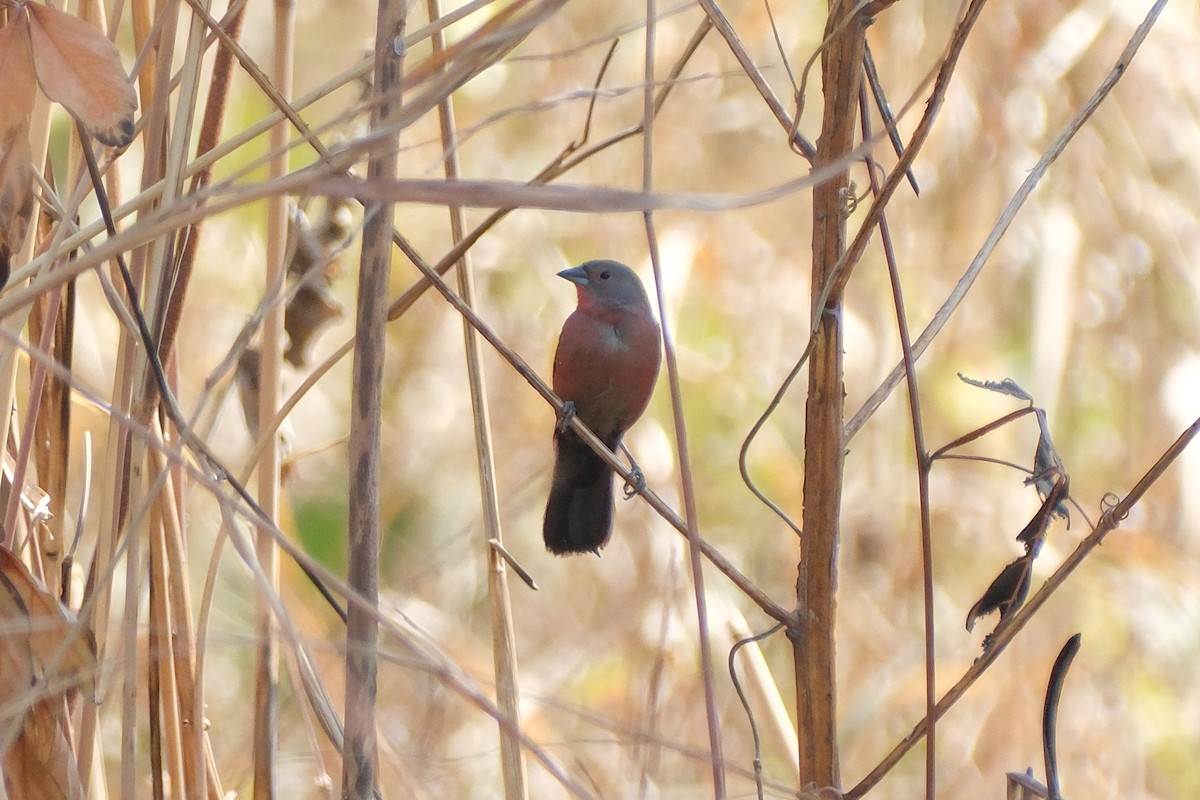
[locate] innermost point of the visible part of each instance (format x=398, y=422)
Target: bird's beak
x=575, y=275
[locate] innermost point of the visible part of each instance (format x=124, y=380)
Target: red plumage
x=606, y=365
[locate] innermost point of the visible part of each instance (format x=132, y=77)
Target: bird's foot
x=565, y=416
x=637, y=481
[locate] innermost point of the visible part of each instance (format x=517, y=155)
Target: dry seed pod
x=307, y=252
x=308, y=312
x=247, y=383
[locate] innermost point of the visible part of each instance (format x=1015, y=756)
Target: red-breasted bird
x=605, y=367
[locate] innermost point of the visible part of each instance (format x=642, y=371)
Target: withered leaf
x=307, y=253
x=1034, y=533
x=1007, y=386
x=16, y=194
x=39, y=763
x=16, y=65
x=1047, y=466
x=60, y=649
x=337, y=228
x=311, y=308
x=80, y=68
x=16, y=171
x=1007, y=592
x=247, y=376
x=317, y=246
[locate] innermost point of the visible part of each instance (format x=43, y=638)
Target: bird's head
x=606, y=284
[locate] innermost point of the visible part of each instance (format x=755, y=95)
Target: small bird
x=604, y=369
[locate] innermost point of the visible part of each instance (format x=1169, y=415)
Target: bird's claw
x=636, y=483
x=565, y=416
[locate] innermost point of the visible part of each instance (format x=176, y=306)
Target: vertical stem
x=712, y=716
x=922, y=460
x=504, y=655
x=210, y=133
x=266, y=674
x=135, y=386
x=359, y=756
x=816, y=583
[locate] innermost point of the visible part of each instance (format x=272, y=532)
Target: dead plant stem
x=1039, y=170
x=266, y=630
x=691, y=519
x=812, y=631
x=360, y=767
x=504, y=650
x=922, y=462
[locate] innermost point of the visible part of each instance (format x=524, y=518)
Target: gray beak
x=575, y=275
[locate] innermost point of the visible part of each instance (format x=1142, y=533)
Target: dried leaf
x=1047, y=466
x=337, y=229
x=1007, y=386
x=40, y=764
x=16, y=173
x=16, y=194
x=60, y=649
x=247, y=375
x=16, y=655
x=317, y=246
x=1007, y=592
x=1033, y=534
x=16, y=65
x=79, y=67
x=311, y=308
x=307, y=252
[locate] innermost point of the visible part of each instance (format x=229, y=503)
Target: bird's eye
x=605, y=275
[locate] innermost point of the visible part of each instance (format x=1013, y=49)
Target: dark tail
x=579, y=514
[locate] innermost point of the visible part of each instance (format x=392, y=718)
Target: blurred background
x=1090, y=303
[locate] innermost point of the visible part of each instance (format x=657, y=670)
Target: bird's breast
x=607, y=365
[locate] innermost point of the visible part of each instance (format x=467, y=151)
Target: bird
x=605, y=367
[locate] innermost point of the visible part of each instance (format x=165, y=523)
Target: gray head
x=607, y=283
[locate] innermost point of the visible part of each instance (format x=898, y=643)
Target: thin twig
x=1005, y=221
x=745, y=701
x=266, y=667
x=831, y=289
x=504, y=648
x=712, y=718
x=1109, y=521
x=921, y=455
x=871, y=74
x=725, y=28
x=842, y=271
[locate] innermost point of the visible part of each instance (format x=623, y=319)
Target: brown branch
x=812, y=634
x=360, y=768
x=504, y=646
x=845, y=267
